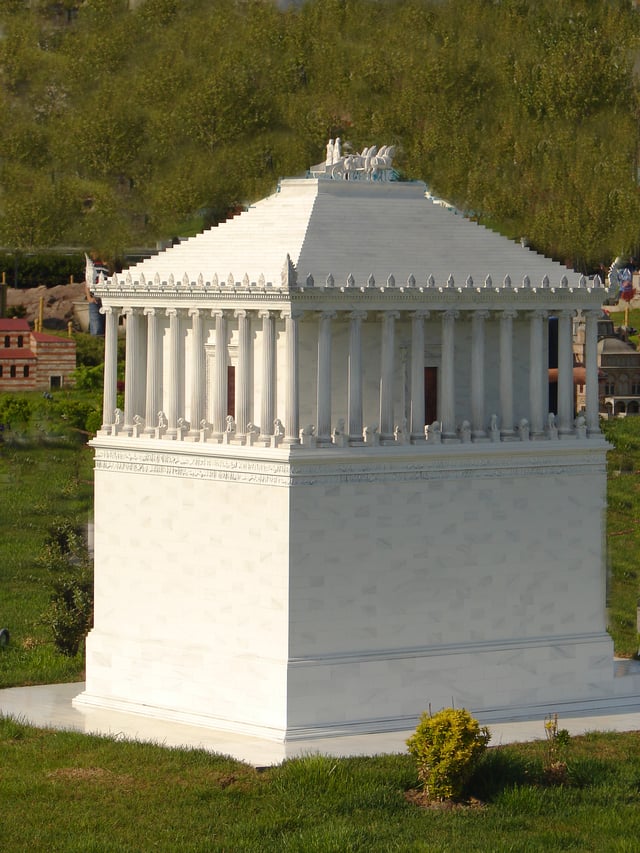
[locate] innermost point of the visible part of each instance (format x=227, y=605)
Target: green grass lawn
x=62, y=791
x=40, y=480
x=634, y=321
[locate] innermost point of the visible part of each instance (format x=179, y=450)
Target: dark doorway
x=231, y=391
x=430, y=394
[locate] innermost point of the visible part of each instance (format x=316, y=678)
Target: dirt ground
x=57, y=302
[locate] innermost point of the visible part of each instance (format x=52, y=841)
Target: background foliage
x=125, y=123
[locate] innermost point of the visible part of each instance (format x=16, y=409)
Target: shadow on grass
x=501, y=769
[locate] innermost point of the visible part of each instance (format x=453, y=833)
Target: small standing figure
x=523, y=429
x=329, y=160
x=434, y=433
x=91, y=273
x=465, y=432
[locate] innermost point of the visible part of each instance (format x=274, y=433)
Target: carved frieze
x=291, y=473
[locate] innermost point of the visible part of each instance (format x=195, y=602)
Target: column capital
x=508, y=314
x=110, y=310
x=450, y=314
x=539, y=313
x=591, y=313
x=327, y=315
x=175, y=311
x=131, y=310
x=569, y=313
x=219, y=313
x=195, y=312
x=357, y=315
x=240, y=313
x=420, y=315
x=291, y=313
x=151, y=310
x=389, y=315
x=266, y=314
x=480, y=314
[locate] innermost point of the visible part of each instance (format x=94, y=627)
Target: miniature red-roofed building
x=33, y=361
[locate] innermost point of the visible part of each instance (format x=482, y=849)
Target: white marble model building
x=335, y=495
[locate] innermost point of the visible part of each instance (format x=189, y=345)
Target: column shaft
x=591, y=365
x=268, y=406
x=219, y=389
x=292, y=401
x=538, y=388
x=506, y=373
x=565, y=373
x=243, y=396
x=110, y=398
x=448, y=397
x=355, y=377
x=323, y=388
x=132, y=366
x=477, y=373
x=417, y=376
x=173, y=387
x=154, y=370
x=197, y=395
x=386, y=375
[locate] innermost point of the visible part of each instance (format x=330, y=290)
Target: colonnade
x=154, y=396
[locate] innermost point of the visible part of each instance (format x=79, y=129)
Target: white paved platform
x=49, y=706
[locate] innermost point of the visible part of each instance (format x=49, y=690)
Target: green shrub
x=93, y=422
x=48, y=268
x=15, y=411
x=89, y=350
x=19, y=311
x=88, y=378
x=447, y=747
x=70, y=611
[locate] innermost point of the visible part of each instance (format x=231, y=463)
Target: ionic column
x=292, y=399
x=132, y=367
x=506, y=373
x=268, y=404
x=243, y=399
x=417, y=376
x=197, y=397
x=174, y=385
x=386, y=375
x=565, y=373
x=323, y=389
x=219, y=384
x=355, y=377
x=591, y=366
x=477, y=373
x=154, y=370
x=110, y=398
x=448, y=396
x=538, y=387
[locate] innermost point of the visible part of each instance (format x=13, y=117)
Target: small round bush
x=447, y=747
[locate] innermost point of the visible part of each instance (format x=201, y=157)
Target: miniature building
x=335, y=495
x=33, y=361
x=618, y=370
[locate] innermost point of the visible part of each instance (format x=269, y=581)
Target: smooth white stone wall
x=344, y=600
x=191, y=595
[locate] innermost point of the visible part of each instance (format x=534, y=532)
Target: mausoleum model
x=335, y=494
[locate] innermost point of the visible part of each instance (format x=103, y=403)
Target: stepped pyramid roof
x=350, y=227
